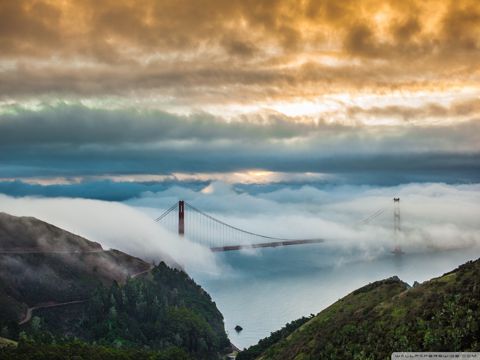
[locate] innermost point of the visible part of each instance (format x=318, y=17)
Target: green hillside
x=78, y=350
x=162, y=311
x=442, y=314
x=42, y=263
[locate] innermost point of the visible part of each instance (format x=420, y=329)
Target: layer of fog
x=114, y=225
x=434, y=217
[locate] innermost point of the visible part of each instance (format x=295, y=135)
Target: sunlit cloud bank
x=117, y=226
x=239, y=52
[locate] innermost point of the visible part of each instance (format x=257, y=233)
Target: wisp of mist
x=434, y=217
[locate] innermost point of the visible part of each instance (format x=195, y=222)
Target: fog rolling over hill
x=40, y=262
x=55, y=285
x=441, y=314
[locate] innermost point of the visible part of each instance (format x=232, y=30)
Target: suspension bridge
x=219, y=236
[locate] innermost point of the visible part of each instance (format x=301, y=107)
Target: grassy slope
x=439, y=315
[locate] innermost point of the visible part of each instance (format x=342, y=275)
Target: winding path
x=52, y=304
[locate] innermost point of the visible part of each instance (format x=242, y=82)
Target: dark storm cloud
x=101, y=190
x=77, y=125
x=74, y=140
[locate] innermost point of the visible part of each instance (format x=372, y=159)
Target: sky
x=289, y=118
x=98, y=98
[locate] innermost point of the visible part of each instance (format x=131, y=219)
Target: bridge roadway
x=266, y=245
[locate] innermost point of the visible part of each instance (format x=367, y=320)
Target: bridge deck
x=266, y=245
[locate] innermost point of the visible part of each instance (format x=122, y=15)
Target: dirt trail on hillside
x=52, y=304
x=133, y=276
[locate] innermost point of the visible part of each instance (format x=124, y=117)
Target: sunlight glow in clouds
x=157, y=90
x=236, y=53
x=244, y=177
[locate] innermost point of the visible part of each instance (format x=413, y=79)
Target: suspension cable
x=236, y=228
x=168, y=211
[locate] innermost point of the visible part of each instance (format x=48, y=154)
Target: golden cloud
x=209, y=51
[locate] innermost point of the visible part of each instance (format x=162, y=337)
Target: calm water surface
x=264, y=291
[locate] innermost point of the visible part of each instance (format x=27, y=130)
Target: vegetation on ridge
x=386, y=316
x=77, y=350
x=159, y=312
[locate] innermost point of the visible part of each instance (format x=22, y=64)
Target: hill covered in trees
x=42, y=263
x=386, y=316
x=160, y=312
x=78, y=350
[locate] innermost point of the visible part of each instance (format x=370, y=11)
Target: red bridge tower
x=181, y=218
